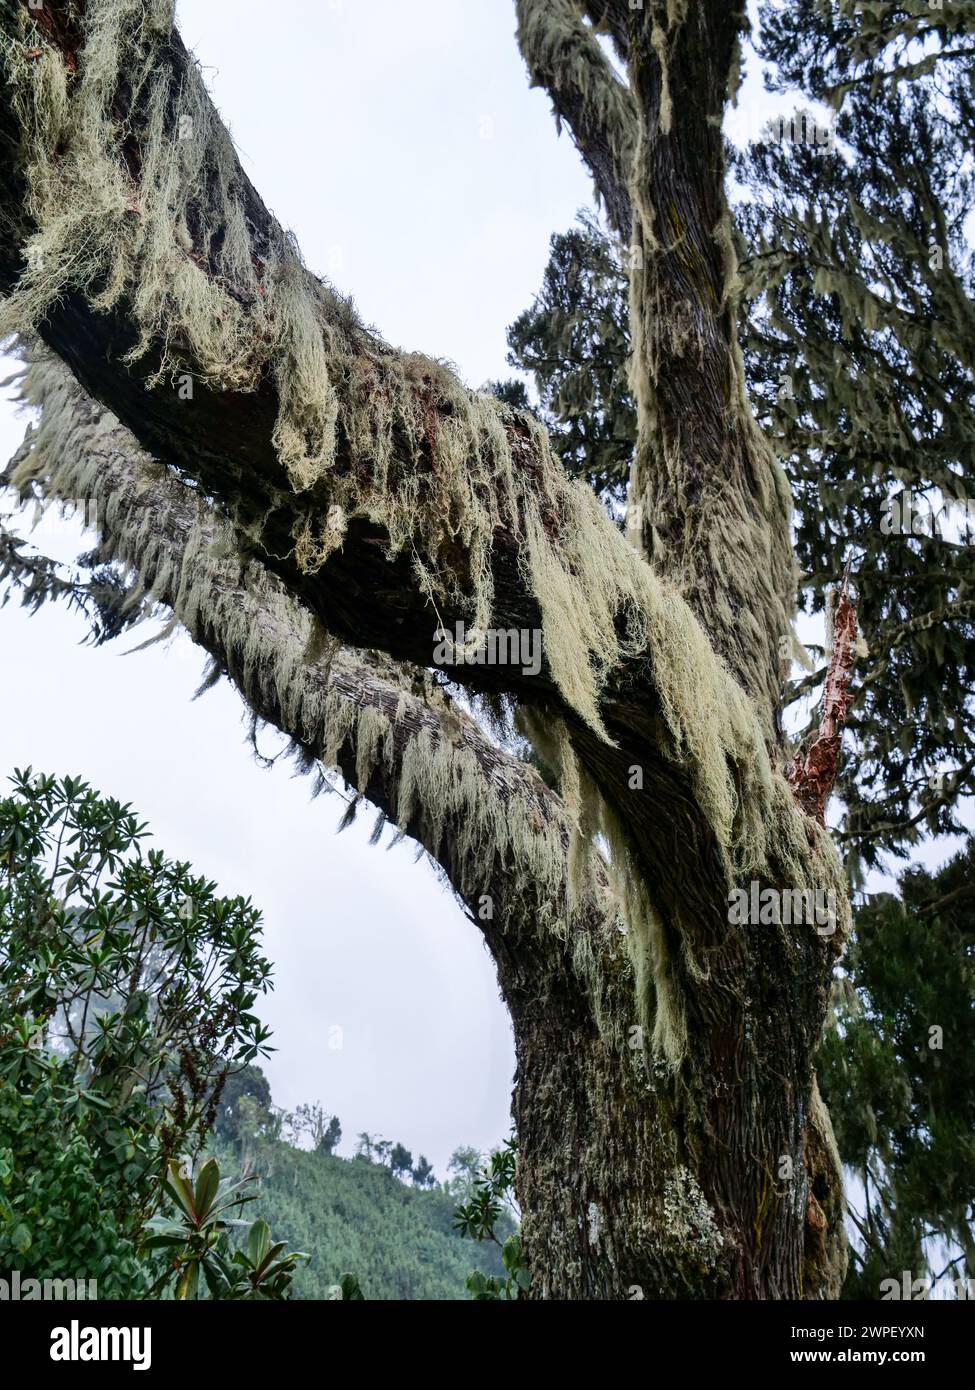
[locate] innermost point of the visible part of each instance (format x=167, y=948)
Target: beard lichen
x=162, y=222
x=131, y=215
x=563, y=54
x=474, y=812
x=441, y=469
x=161, y=225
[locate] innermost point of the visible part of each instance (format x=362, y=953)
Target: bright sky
x=403, y=145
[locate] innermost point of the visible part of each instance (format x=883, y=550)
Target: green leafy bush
x=126, y=994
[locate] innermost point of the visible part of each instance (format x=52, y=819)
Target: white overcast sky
x=403, y=145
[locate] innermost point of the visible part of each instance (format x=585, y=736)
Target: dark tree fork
x=671, y=1137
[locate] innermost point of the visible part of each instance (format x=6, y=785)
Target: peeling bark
x=813, y=775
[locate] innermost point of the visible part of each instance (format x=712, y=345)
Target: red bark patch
x=55, y=20
x=812, y=777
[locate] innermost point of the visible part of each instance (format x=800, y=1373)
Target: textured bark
x=711, y=1173
x=814, y=774
x=640, y=1186
x=713, y=508
x=621, y=1192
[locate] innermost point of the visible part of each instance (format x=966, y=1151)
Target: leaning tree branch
x=499, y=834
x=385, y=497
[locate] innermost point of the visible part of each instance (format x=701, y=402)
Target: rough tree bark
x=670, y=1134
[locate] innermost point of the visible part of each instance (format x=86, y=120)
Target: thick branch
x=385, y=498
x=564, y=58
x=711, y=505
x=499, y=834
x=708, y=503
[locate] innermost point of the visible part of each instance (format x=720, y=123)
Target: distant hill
x=355, y=1216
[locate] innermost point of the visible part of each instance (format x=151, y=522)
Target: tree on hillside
x=250, y=1082
x=311, y=505
x=322, y=1130
x=423, y=1175
x=465, y=1165
x=366, y=1146
x=400, y=1161
x=332, y=1136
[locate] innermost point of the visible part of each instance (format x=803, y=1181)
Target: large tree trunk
x=671, y=1143
x=716, y=1181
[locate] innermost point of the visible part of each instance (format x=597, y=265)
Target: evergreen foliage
x=897, y=1072
x=126, y=986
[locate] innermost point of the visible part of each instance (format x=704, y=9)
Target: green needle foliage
x=96, y=590
x=575, y=341
x=858, y=325
x=898, y=1075
x=858, y=334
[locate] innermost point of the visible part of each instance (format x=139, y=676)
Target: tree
x=666, y=1088
x=332, y=1136
x=423, y=1175
x=859, y=296
x=575, y=341
x=852, y=387
x=126, y=986
x=323, y=1130
x=366, y=1147
x=400, y=1161
x=897, y=1073
x=249, y=1082
x=465, y=1164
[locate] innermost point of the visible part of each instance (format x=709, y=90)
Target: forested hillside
x=353, y=1215
x=380, y=1216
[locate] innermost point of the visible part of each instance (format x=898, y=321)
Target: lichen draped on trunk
x=665, y=1055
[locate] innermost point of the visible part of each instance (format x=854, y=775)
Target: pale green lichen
x=764, y=835
x=658, y=41
x=279, y=659
x=166, y=228
x=563, y=55
x=689, y=1219
x=439, y=468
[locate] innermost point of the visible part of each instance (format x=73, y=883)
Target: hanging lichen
x=164, y=224
x=442, y=470
x=328, y=700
